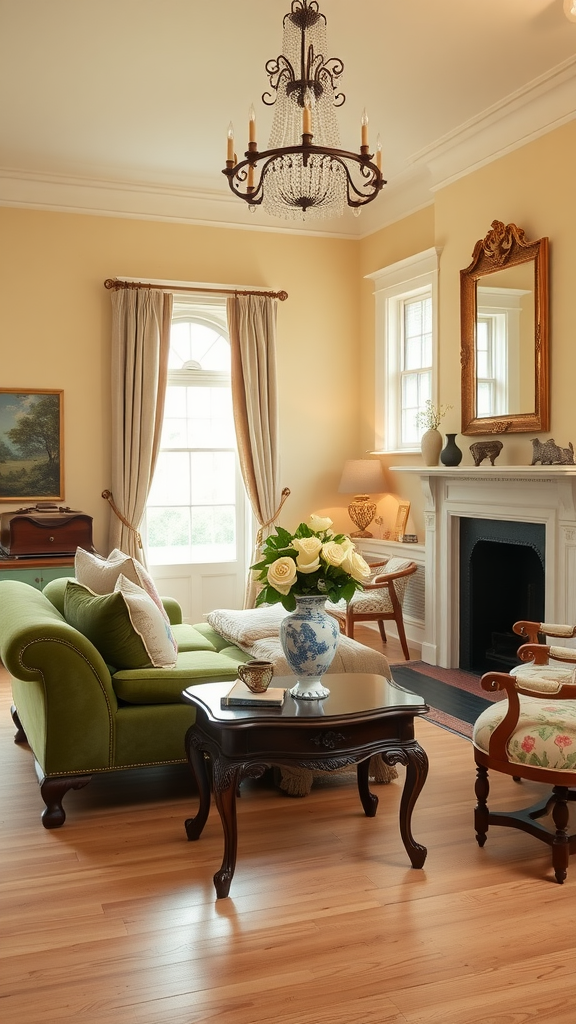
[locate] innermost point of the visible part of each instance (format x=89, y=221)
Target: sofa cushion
x=157, y=686
x=105, y=619
x=189, y=638
x=100, y=574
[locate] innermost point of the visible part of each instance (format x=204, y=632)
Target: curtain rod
x=116, y=285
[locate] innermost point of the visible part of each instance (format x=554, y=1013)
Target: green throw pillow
x=105, y=621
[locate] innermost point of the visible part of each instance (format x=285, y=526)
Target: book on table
x=241, y=697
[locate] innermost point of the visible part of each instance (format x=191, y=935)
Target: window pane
x=485, y=401
x=210, y=420
x=213, y=477
x=413, y=319
x=412, y=354
x=168, y=532
x=171, y=484
x=197, y=342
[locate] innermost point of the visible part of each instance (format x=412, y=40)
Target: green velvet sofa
x=81, y=716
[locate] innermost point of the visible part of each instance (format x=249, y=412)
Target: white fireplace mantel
x=529, y=494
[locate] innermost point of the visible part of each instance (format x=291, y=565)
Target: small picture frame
x=31, y=445
x=401, y=519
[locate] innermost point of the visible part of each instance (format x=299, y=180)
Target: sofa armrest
x=173, y=610
x=61, y=685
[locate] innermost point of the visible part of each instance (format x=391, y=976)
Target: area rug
x=456, y=698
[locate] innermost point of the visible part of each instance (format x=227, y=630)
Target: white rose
x=333, y=553
x=319, y=523
x=356, y=566
x=282, y=574
x=308, y=549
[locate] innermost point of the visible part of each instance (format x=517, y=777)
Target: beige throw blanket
x=257, y=631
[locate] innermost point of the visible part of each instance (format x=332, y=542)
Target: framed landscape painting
x=31, y=439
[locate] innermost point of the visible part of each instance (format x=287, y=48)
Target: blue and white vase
x=309, y=638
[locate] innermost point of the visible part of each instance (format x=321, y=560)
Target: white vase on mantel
x=431, y=446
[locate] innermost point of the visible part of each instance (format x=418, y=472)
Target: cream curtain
x=252, y=329
x=140, y=344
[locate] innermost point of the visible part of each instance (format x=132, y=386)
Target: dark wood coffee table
x=364, y=715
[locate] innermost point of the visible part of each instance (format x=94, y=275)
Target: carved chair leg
x=349, y=630
x=53, y=792
x=482, y=789
x=402, y=637
x=20, y=736
x=560, y=845
x=382, y=631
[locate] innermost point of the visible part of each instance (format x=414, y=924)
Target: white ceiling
x=122, y=106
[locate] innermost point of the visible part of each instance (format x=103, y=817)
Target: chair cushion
x=127, y=630
x=545, y=734
x=371, y=602
x=364, y=602
x=162, y=686
x=559, y=672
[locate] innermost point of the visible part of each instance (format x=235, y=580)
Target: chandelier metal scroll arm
x=279, y=71
x=238, y=173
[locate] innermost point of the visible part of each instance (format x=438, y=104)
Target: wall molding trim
x=541, y=106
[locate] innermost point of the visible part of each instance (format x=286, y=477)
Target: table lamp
x=362, y=477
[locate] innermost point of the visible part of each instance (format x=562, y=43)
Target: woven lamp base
x=362, y=512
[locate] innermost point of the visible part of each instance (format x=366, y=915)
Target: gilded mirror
x=504, y=321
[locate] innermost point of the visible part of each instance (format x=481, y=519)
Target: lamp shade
x=362, y=476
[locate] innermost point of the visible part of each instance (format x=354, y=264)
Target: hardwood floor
x=112, y=919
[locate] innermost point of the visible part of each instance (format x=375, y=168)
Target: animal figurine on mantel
x=485, y=450
x=550, y=454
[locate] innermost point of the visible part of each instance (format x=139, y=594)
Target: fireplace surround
x=514, y=494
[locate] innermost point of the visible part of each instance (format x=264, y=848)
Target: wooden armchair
x=532, y=736
x=542, y=660
x=381, y=599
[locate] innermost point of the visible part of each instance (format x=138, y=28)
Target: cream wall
x=532, y=187
x=55, y=329
x=55, y=318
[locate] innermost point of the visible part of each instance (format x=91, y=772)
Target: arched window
x=196, y=495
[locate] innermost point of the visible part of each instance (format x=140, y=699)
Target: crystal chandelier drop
x=304, y=173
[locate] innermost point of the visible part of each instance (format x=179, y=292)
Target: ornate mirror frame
x=505, y=246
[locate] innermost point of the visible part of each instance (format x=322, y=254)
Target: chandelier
x=304, y=173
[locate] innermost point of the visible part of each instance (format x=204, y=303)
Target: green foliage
x=37, y=435
x=334, y=582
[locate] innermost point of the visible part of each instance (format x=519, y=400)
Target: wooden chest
x=54, y=531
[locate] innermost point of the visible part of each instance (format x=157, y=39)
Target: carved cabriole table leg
x=416, y=762
x=368, y=800
x=227, y=776
x=197, y=760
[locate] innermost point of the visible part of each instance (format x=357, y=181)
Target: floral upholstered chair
x=531, y=735
x=381, y=599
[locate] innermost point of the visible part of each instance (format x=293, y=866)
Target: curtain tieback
x=110, y=499
x=264, y=526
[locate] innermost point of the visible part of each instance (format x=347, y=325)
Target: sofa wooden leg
x=53, y=792
x=20, y=736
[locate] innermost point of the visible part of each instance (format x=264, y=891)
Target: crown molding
x=539, y=107
x=142, y=201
